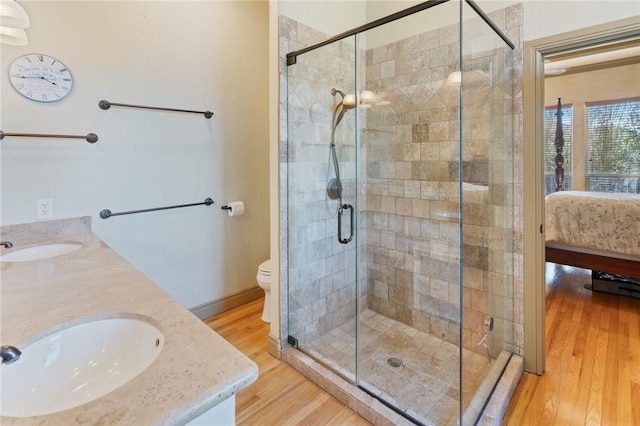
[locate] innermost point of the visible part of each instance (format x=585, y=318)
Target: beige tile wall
x=409, y=222
x=319, y=272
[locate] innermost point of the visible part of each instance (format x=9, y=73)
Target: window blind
x=613, y=146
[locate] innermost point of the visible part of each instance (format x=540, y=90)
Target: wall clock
x=40, y=78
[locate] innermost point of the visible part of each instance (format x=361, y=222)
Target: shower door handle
x=341, y=210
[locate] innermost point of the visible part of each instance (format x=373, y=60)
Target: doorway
x=534, y=103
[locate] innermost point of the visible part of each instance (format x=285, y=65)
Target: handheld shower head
x=343, y=110
x=335, y=91
x=347, y=101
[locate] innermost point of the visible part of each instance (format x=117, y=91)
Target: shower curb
x=499, y=402
x=378, y=414
x=360, y=402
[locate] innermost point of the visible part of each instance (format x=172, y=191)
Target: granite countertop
x=196, y=369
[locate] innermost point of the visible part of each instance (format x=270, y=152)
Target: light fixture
x=455, y=78
x=554, y=71
x=364, y=99
x=367, y=96
x=12, y=15
x=13, y=36
x=349, y=100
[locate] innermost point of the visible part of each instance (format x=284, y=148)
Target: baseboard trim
x=273, y=346
x=215, y=307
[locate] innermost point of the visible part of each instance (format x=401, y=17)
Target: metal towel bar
x=90, y=137
x=105, y=105
x=106, y=213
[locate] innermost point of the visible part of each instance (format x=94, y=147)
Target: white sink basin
x=76, y=365
x=39, y=252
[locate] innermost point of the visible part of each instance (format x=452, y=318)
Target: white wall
x=547, y=17
x=206, y=55
x=541, y=17
x=330, y=17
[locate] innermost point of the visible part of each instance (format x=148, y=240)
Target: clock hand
x=41, y=78
x=49, y=81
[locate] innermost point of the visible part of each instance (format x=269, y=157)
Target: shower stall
x=398, y=201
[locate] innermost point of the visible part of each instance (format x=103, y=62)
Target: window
x=613, y=146
x=550, y=149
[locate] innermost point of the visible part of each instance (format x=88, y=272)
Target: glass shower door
x=400, y=194
x=409, y=328
x=321, y=180
x=487, y=200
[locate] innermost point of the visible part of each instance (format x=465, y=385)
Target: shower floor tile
x=426, y=385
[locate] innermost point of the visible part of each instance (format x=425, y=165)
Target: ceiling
x=593, y=58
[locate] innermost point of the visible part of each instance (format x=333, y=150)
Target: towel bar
x=105, y=105
x=90, y=137
x=106, y=213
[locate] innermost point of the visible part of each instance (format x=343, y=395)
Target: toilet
x=264, y=281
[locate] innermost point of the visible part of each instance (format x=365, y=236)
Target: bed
x=591, y=230
x=594, y=230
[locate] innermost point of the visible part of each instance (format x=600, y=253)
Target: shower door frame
x=292, y=56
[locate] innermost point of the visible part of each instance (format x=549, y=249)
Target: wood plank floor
x=593, y=358
x=281, y=395
x=592, y=377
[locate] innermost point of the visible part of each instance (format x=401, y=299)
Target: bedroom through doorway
x=591, y=182
x=542, y=91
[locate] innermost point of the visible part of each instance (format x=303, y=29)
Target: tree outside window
x=613, y=146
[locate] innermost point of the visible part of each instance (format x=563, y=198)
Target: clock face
x=40, y=78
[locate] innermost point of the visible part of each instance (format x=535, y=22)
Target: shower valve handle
x=341, y=210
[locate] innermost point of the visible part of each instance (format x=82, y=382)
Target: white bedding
x=607, y=222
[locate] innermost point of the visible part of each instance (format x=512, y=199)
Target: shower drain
x=394, y=362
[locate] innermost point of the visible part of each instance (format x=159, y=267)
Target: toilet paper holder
x=234, y=208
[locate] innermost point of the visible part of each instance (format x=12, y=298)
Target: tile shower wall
x=412, y=184
x=411, y=140
x=320, y=272
x=491, y=115
x=409, y=196
x=492, y=227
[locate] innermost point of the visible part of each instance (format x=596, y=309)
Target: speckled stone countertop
x=196, y=369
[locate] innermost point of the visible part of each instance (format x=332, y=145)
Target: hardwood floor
x=593, y=358
x=281, y=395
x=592, y=377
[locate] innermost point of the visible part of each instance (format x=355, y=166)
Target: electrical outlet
x=45, y=209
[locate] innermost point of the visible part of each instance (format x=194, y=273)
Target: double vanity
x=101, y=343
